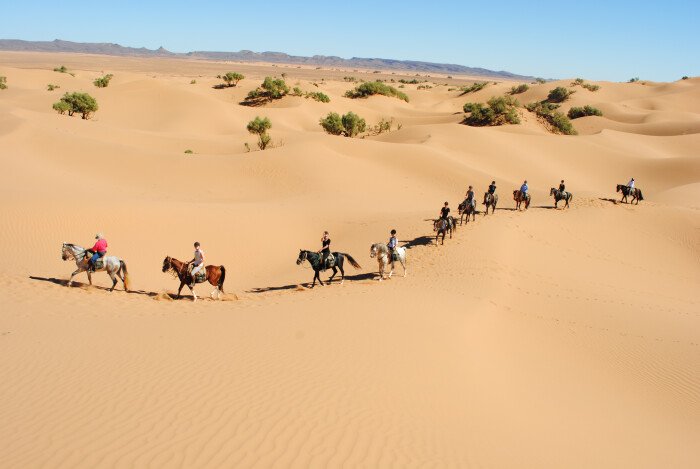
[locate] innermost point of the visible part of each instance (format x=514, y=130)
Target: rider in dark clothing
x=492, y=190
x=325, y=250
x=445, y=211
x=562, y=187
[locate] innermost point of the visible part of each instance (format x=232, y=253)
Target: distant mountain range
x=250, y=56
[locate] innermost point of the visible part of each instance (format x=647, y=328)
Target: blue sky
x=598, y=40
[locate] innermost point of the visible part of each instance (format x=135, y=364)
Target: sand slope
x=547, y=338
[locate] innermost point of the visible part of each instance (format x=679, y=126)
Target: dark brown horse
x=490, y=200
x=215, y=274
x=561, y=195
x=466, y=208
x=441, y=226
x=633, y=191
x=519, y=198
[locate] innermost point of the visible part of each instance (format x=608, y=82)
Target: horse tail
x=222, y=278
x=352, y=261
x=641, y=197
x=127, y=281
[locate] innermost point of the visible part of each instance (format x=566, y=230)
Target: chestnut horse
x=214, y=275
x=519, y=198
x=633, y=191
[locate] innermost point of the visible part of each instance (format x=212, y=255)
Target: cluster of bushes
x=374, y=87
x=350, y=79
x=424, y=87
x=498, y=111
x=559, y=95
x=685, y=77
x=103, y=82
x=548, y=112
x=576, y=112
x=318, y=96
x=583, y=84
x=410, y=82
x=271, y=88
x=633, y=80
x=476, y=86
x=231, y=78
x=519, y=89
x=349, y=124
x=259, y=126
x=81, y=103
x=61, y=69
x=3, y=83
x=51, y=87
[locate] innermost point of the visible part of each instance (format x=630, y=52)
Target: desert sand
x=542, y=338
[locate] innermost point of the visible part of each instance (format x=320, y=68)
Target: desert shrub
x=232, y=78
x=498, y=111
x=259, y=126
x=685, y=77
x=384, y=125
x=633, y=80
x=332, y=123
x=540, y=81
x=61, y=69
x=188, y=152
x=3, y=83
x=350, y=79
x=61, y=107
x=424, y=87
x=548, y=112
x=409, y=82
x=51, y=87
x=590, y=87
x=577, y=81
x=559, y=95
x=193, y=82
x=271, y=88
x=318, y=96
x=402, y=86
x=519, y=89
x=296, y=91
x=576, y=112
x=373, y=87
x=103, y=82
x=81, y=103
x=353, y=124
x=474, y=87
x=349, y=124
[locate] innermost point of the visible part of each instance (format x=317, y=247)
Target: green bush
x=519, y=89
x=81, y=103
x=633, y=80
x=476, y=86
x=559, y=95
x=349, y=124
x=188, y=152
x=374, y=87
x=296, y=91
x=271, y=88
x=576, y=82
x=350, y=79
x=103, y=82
x=61, y=69
x=318, y=96
x=409, y=82
x=232, y=78
x=548, y=112
x=259, y=126
x=332, y=123
x=3, y=83
x=498, y=111
x=590, y=87
x=353, y=124
x=51, y=87
x=193, y=82
x=685, y=77
x=576, y=112
x=61, y=107
x=540, y=81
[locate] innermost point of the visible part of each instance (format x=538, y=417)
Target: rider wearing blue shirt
x=524, y=189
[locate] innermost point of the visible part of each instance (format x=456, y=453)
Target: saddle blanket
x=201, y=276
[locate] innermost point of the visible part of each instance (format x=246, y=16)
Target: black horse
x=633, y=191
x=561, y=195
x=314, y=259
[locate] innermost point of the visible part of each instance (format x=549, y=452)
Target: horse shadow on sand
x=86, y=286
x=305, y=285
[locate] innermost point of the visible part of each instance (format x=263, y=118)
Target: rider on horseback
x=325, y=251
x=445, y=211
x=197, y=263
x=393, y=242
x=470, y=198
x=562, y=187
x=491, y=191
x=630, y=185
x=99, y=250
x=523, y=190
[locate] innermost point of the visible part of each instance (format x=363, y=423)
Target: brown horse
x=519, y=198
x=441, y=226
x=214, y=275
x=490, y=200
x=466, y=208
x=634, y=192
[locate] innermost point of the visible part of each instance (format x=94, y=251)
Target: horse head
x=516, y=193
x=302, y=256
x=619, y=188
x=373, y=251
x=64, y=252
x=552, y=191
x=167, y=263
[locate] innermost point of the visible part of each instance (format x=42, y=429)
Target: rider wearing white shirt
x=631, y=184
x=197, y=262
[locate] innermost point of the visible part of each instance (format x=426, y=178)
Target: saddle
x=330, y=261
x=394, y=256
x=99, y=263
x=199, y=277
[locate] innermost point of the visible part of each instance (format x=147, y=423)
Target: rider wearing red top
x=99, y=249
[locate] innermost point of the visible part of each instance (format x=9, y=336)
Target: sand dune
x=546, y=338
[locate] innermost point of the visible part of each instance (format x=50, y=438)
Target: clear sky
x=599, y=40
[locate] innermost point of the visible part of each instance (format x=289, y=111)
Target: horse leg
x=194, y=295
x=114, y=280
x=70, y=281
x=403, y=264
x=335, y=271
x=89, y=277
x=342, y=273
x=182, y=284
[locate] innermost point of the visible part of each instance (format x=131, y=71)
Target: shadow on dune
x=546, y=207
x=419, y=241
x=296, y=286
x=612, y=201
x=76, y=284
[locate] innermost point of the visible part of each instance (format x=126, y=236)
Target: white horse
x=381, y=252
x=115, y=267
